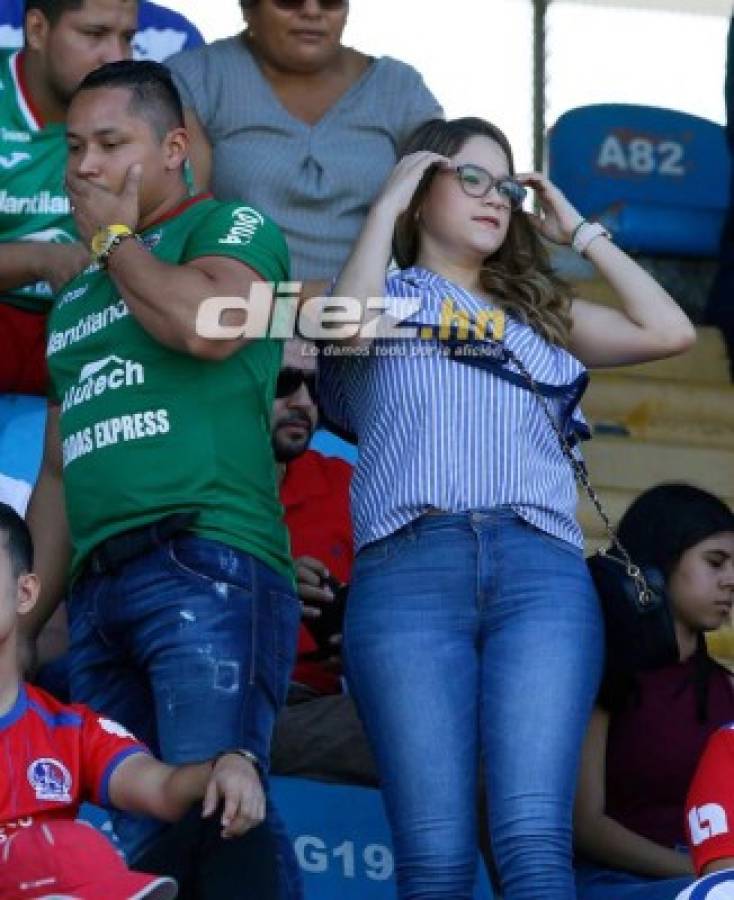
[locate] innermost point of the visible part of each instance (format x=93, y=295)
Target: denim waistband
x=437, y=518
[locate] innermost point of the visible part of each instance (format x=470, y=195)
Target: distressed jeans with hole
x=190, y=646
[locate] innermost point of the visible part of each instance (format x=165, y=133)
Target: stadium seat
x=22, y=423
x=658, y=179
x=330, y=444
x=342, y=840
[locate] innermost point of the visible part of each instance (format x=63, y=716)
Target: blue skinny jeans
x=470, y=634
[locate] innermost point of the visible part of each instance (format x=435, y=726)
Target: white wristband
x=586, y=233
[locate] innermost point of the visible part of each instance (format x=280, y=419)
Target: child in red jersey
x=56, y=756
x=710, y=819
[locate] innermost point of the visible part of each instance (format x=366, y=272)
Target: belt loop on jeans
x=108, y=556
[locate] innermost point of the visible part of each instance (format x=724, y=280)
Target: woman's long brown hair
x=519, y=276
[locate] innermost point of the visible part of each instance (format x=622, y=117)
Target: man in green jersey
x=182, y=611
x=39, y=246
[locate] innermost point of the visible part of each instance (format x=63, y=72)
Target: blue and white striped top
x=435, y=433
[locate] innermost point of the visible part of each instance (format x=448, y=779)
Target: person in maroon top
x=646, y=734
x=318, y=734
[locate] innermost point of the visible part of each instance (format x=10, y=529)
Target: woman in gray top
x=289, y=119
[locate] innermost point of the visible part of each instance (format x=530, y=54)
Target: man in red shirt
x=318, y=734
x=710, y=820
x=56, y=756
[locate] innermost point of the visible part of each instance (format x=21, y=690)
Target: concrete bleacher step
x=706, y=361
x=629, y=464
x=592, y=544
x=694, y=413
x=670, y=420
x=674, y=433
x=615, y=502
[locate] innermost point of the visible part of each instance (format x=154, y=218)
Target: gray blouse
x=316, y=181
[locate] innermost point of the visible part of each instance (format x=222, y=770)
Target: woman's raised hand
x=363, y=275
x=559, y=218
x=398, y=190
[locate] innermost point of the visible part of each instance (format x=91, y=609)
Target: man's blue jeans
x=190, y=646
x=467, y=634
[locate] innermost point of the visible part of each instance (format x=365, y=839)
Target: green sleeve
x=241, y=232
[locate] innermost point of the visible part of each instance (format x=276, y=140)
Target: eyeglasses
x=326, y=5
x=477, y=182
x=290, y=380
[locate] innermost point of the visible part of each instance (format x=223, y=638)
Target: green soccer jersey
x=33, y=205
x=147, y=431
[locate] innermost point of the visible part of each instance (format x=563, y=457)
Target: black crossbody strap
x=577, y=466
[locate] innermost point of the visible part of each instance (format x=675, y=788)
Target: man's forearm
x=18, y=264
x=183, y=786
x=142, y=784
x=52, y=549
x=165, y=299
x=146, y=786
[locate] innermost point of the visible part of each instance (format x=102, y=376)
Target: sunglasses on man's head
x=326, y=5
x=290, y=380
x=477, y=182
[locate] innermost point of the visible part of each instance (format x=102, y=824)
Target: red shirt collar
x=25, y=95
x=177, y=210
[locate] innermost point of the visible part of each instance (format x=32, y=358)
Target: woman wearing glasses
x=473, y=629
x=304, y=128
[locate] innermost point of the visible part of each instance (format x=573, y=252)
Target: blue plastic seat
x=342, y=840
x=657, y=178
x=22, y=423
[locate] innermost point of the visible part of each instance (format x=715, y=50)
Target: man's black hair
x=16, y=537
x=153, y=95
x=53, y=9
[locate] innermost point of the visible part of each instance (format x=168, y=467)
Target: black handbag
x=638, y=621
x=639, y=626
